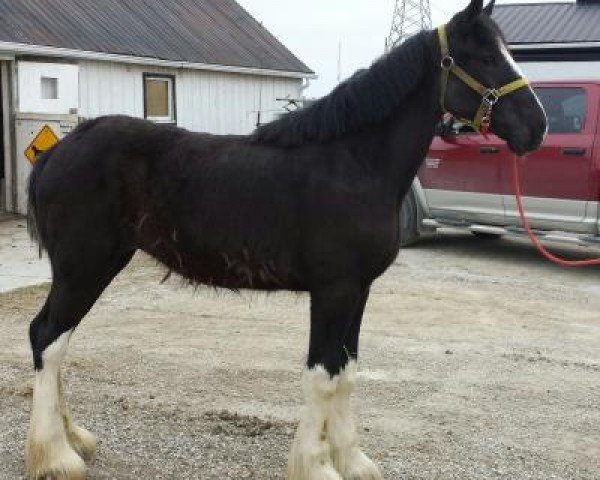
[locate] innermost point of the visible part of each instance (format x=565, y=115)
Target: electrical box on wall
x=50, y=88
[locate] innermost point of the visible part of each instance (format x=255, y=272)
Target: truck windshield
x=566, y=108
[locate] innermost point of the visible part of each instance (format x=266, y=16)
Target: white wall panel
x=30, y=87
x=206, y=101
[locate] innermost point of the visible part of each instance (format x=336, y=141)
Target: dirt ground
x=479, y=361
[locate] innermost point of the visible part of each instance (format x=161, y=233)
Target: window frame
x=172, y=94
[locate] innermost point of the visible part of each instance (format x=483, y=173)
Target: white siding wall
x=561, y=70
x=206, y=101
x=30, y=87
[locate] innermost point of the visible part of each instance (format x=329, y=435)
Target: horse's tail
x=32, y=205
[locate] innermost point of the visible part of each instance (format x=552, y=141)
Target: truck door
x=461, y=176
x=556, y=180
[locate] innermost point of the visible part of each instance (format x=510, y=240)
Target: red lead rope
x=532, y=236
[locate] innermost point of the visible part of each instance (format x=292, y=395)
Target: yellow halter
x=489, y=96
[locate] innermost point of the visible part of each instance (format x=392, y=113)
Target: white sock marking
x=48, y=453
x=310, y=457
x=342, y=430
x=46, y=418
x=348, y=458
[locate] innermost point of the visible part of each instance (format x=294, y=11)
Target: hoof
x=311, y=464
x=83, y=442
x=315, y=472
x=359, y=467
x=52, y=462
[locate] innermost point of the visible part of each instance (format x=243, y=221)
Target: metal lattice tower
x=410, y=17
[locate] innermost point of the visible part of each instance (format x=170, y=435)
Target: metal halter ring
x=447, y=62
x=491, y=97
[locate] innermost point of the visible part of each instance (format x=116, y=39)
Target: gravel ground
x=479, y=361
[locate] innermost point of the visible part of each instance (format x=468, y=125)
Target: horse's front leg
x=325, y=446
x=310, y=456
x=348, y=458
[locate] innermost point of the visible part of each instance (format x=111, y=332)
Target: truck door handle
x=489, y=149
x=575, y=152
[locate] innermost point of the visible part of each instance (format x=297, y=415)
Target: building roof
x=549, y=23
x=213, y=32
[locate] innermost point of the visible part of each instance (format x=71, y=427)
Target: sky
x=314, y=29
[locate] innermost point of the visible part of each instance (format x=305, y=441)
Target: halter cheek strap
x=489, y=96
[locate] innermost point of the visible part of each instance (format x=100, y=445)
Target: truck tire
x=409, y=220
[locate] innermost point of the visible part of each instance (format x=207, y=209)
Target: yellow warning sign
x=43, y=141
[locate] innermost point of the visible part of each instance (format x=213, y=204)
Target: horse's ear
x=473, y=10
x=490, y=8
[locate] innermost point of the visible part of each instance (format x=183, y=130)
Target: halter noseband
x=489, y=96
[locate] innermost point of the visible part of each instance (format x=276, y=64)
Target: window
x=49, y=88
x=159, y=98
x=566, y=108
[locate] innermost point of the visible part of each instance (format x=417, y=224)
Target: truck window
x=566, y=108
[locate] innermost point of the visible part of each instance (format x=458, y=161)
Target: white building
x=205, y=65
x=554, y=41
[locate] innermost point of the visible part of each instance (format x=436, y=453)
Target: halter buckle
x=447, y=63
x=491, y=97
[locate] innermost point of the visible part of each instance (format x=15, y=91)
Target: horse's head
x=476, y=46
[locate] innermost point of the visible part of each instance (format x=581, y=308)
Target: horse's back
x=217, y=209
x=209, y=207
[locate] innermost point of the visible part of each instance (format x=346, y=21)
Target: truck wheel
x=487, y=236
x=409, y=218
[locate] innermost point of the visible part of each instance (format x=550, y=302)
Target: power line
x=410, y=17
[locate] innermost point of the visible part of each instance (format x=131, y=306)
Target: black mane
x=366, y=98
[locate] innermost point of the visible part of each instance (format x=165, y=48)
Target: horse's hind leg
x=56, y=448
x=48, y=453
x=82, y=441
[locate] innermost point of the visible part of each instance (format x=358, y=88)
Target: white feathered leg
x=48, y=452
x=82, y=441
x=310, y=456
x=348, y=459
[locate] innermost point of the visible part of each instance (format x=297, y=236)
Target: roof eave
x=11, y=49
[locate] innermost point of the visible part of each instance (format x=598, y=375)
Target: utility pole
x=410, y=17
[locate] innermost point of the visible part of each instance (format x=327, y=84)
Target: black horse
x=308, y=203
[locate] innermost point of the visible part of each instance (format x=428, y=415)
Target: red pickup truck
x=466, y=179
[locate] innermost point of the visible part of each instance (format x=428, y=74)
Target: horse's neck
x=405, y=139
x=396, y=148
